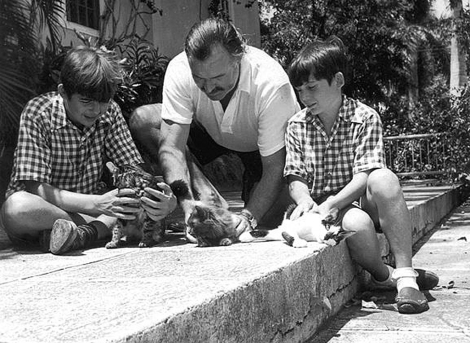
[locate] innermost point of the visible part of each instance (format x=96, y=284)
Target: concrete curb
x=176, y=292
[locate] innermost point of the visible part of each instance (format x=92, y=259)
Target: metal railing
x=417, y=155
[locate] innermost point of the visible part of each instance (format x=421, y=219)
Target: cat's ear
x=345, y=233
x=336, y=234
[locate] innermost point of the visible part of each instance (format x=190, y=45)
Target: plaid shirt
x=52, y=150
x=329, y=163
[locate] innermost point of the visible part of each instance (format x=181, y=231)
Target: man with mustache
x=222, y=96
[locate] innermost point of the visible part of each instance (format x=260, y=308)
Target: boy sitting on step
x=335, y=159
x=64, y=139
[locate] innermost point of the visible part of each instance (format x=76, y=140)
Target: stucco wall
x=178, y=17
x=168, y=31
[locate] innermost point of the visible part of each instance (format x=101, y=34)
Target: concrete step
x=177, y=292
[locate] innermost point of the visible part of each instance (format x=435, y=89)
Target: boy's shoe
x=425, y=280
x=66, y=236
x=410, y=301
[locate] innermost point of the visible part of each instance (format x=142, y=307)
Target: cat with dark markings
x=310, y=227
x=209, y=224
x=143, y=229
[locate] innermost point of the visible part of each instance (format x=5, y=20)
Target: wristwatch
x=247, y=214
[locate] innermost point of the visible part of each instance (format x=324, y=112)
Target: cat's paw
x=112, y=245
x=225, y=242
x=146, y=244
x=299, y=243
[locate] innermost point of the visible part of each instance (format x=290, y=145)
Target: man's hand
x=164, y=204
x=119, y=203
x=246, y=222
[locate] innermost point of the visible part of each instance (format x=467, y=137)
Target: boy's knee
x=383, y=181
x=16, y=206
x=144, y=118
x=357, y=220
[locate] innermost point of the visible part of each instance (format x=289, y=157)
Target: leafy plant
x=20, y=24
x=144, y=70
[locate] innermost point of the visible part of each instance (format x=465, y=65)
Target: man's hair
x=322, y=59
x=91, y=72
x=207, y=33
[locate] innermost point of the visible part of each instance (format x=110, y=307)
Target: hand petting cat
x=304, y=206
x=119, y=203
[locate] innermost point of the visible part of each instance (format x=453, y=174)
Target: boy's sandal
x=426, y=279
x=410, y=300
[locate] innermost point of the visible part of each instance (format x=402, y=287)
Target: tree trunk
x=458, y=72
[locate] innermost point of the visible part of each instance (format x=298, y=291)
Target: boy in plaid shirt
x=63, y=141
x=335, y=160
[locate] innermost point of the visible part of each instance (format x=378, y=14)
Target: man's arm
x=172, y=157
x=268, y=188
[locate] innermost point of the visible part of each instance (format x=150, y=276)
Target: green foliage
x=387, y=41
x=378, y=37
x=20, y=23
x=438, y=112
x=442, y=112
x=144, y=70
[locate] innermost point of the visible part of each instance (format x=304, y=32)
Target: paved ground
x=372, y=317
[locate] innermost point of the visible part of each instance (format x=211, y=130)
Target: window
x=84, y=12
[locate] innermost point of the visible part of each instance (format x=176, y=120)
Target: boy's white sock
x=405, y=277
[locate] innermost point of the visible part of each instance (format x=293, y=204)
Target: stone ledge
x=176, y=292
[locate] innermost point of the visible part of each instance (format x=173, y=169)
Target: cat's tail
x=180, y=189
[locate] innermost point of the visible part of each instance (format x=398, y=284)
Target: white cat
x=310, y=227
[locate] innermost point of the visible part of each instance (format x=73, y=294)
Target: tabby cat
x=209, y=224
x=143, y=228
x=310, y=227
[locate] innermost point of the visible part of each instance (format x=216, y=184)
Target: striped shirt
x=328, y=164
x=52, y=150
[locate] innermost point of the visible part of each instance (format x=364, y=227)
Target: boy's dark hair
x=205, y=34
x=91, y=72
x=322, y=59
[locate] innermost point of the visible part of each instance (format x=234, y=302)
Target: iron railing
x=420, y=155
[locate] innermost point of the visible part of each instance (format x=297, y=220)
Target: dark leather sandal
x=410, y=300
x=426, y=280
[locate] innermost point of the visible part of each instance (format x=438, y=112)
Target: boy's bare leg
x=386, y=205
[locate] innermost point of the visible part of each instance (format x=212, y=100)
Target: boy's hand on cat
x=328, y=212
x=304, y=207
x=119, y=203
x=164, y=204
